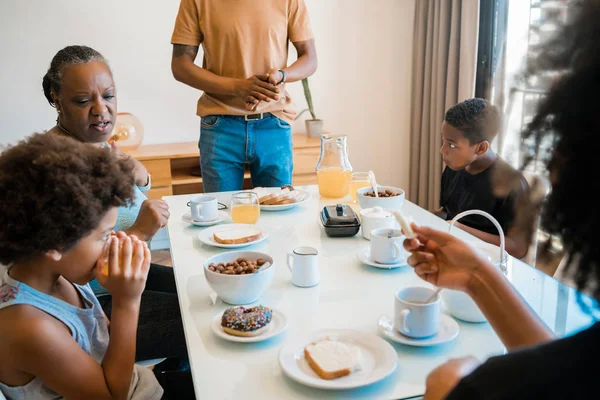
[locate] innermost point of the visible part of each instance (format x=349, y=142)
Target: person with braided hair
x=80, y=85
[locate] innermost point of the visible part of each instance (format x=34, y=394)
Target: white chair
x=540, y=187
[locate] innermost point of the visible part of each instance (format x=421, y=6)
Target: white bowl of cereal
x=391, y=198
x=239, y=277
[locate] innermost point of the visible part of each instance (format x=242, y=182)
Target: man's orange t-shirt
x=240, y=39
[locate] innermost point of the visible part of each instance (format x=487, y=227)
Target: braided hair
x=70, y=55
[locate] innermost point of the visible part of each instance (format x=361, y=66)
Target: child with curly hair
x=59, y=201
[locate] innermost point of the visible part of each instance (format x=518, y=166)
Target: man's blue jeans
x=229, y=144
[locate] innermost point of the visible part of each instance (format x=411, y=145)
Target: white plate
x=378, y=360
x=206, y=236
x=364, y=255
x=447, y=332
x=277, y=325
x=280, y=207
x=187, y=217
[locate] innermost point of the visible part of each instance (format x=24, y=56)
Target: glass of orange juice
x=245, y=208
x=358, y=180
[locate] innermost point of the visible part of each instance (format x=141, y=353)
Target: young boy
x=59, y=201
x=467, y=133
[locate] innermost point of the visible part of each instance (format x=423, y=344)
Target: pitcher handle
x=289, y=262
x=494, y=221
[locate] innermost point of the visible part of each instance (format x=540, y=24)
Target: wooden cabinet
x=175, y=167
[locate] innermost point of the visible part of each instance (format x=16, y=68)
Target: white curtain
x=444, y=67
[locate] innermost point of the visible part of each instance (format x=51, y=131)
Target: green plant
x=309, y=101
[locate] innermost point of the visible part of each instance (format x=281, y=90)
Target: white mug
x=303, y=264
x=412, y=316
x=204, y=208
x=386, y=246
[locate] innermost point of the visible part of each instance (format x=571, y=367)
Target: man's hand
x=444, y=378
x=273, y=77
x=256, y=89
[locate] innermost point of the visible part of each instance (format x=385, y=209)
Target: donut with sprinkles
x=242, y=321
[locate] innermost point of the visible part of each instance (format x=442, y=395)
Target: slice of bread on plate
x=332, y=359
x=288, y=198
x=263, y=194
x=279, y=196
x=237, y=235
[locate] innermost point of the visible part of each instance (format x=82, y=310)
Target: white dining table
x=350, y=295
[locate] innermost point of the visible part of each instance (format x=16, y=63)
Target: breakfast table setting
x=307, y=296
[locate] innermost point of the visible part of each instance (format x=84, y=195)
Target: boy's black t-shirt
x=564, y=369
x=461, y=191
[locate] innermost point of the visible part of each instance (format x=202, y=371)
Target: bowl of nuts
x=239, y=277
x=391, y=198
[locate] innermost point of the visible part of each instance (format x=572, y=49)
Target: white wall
x=362, y=86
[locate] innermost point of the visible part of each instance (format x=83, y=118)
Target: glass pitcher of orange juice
x=333, y=168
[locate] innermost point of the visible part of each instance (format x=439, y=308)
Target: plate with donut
x=248, y=324
x=280, y=198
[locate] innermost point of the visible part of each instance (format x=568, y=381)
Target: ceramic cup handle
x=397, y=250
x=403, y=316
x=290, y=263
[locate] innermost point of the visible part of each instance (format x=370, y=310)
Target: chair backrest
x=540, y=187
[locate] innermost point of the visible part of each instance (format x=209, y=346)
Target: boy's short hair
x=54, y=191
x=476, y=118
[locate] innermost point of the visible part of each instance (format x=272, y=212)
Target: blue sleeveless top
x=88, y=328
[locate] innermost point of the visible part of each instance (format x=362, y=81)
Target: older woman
x=80, y=85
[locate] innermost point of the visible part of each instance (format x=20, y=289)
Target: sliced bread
x=237, y=235
x=332, y=359
x=279, y=195
x=289, y=198
x=263, y=194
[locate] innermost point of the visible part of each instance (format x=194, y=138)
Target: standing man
x=245, y=110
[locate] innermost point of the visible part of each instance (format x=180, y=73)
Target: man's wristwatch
x=284, y=76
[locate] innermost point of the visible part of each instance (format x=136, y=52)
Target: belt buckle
x=253, y=117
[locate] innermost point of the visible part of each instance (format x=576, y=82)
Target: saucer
x=447, y=332
x=277, y=325
x=187, y=217
x=364, y=255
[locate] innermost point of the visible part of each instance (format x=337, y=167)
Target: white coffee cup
x=412, y=316
x=386, y=246
x=304, y=266
x=204, y=208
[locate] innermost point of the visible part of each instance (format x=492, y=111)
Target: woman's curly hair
x=54, y=191
x=569, y=116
